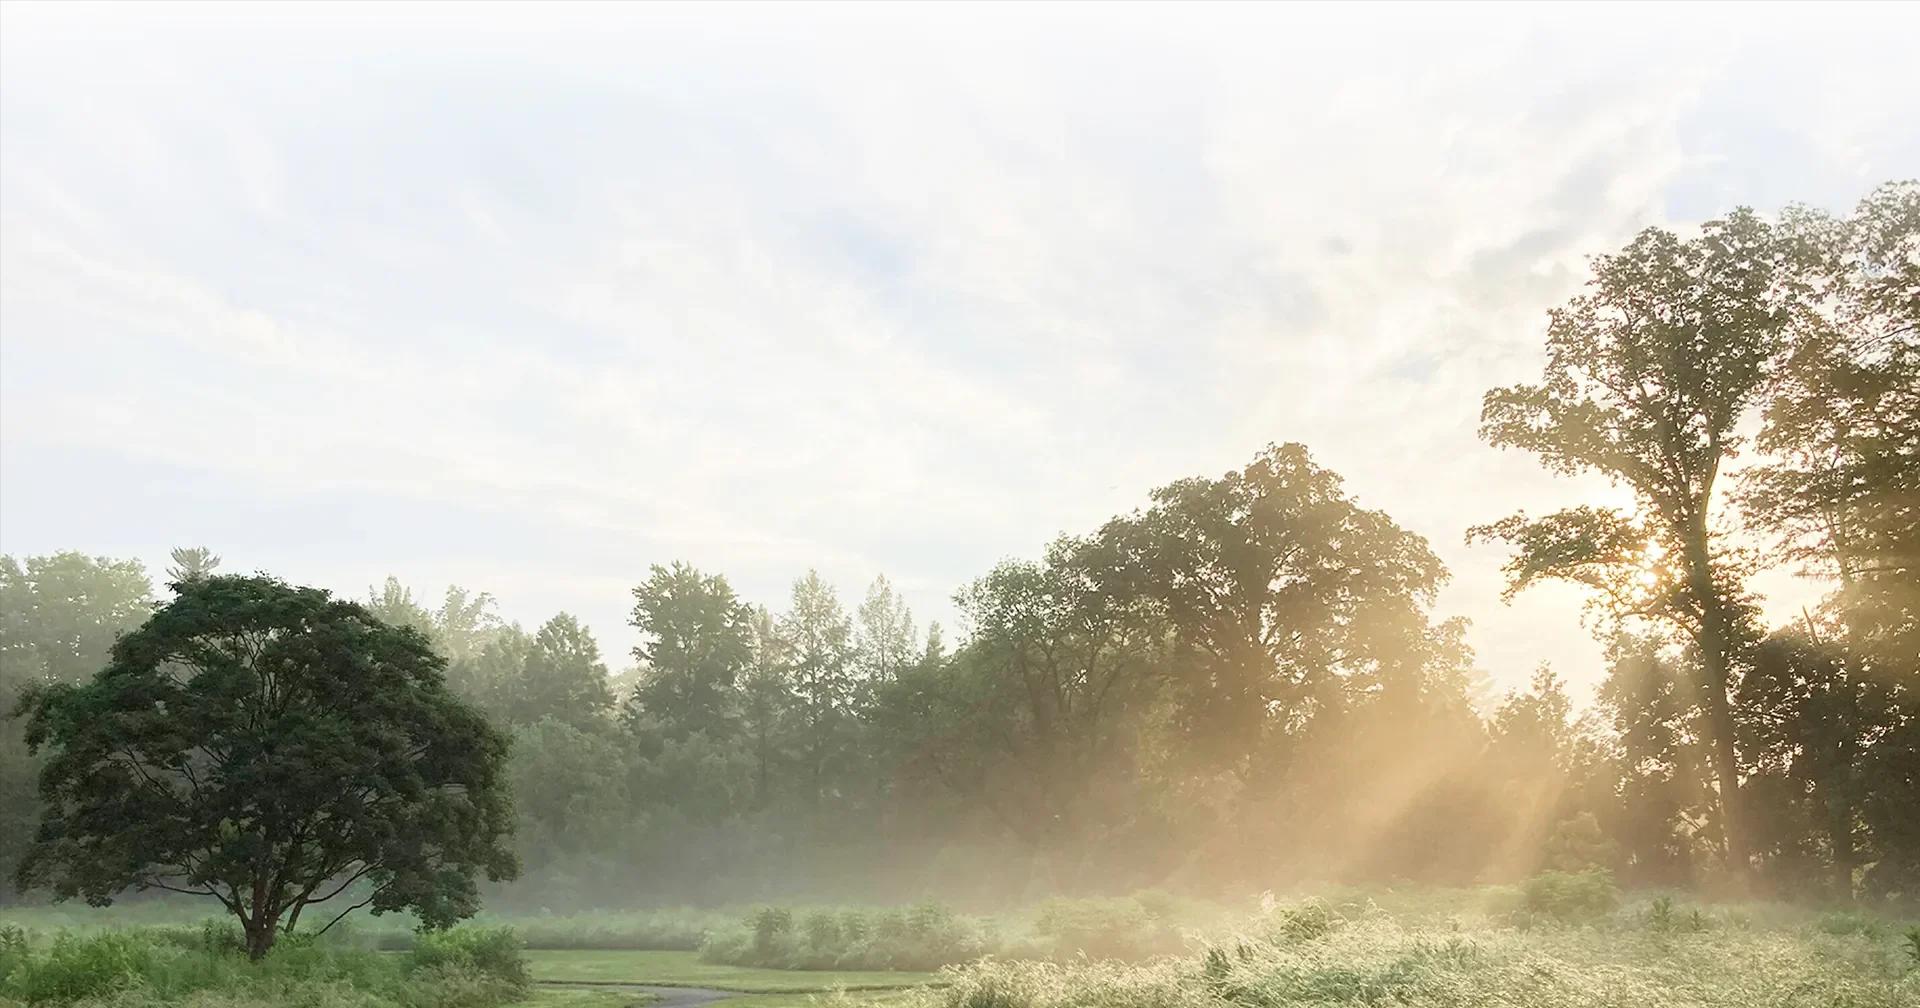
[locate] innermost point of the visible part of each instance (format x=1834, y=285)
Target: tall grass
x=1620, y=961
x=205, y=967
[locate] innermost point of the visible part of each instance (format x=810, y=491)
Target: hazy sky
x=530, y=298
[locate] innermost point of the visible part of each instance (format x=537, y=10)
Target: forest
x=1240, y=685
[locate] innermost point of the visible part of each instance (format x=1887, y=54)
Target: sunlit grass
x=684, y=969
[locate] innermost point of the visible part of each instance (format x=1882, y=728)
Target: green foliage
x=695, y=645
x=269, y=747
x=925, y=936
x=493, y=951
x=1664, y=916
x=1570, y=897
x=1379, y=960
x=208, y=967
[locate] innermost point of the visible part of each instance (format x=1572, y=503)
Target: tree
x=1660, y=768
x=466, y=632
x=696, y=641
x=767, y=703
x=561, y=678
x=1809, y=717
x=393, y=604
x=884, y=637
x=190, y=562
x=1277, y=584
x=820, y=674
x=1841, y=488
x=59, y=617
x=1648, y=375
x=60, y=614
x=273, y=748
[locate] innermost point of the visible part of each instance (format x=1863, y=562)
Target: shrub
x=494, y=952
x=1666, y=917
x=1570, y=896
x=77, y=966
x=923, y=937
x=1101, y=929
x=1850, y=922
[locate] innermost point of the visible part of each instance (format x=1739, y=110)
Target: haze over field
x=527, y=299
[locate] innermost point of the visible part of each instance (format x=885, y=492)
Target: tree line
x=1243, y=681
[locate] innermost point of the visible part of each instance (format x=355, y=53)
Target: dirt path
x=665, y=997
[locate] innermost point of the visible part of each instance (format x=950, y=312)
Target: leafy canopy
x=271, y=747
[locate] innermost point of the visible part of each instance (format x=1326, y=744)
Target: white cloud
x=530, y=298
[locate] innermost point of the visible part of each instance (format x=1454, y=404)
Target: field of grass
x=1649, y=956
x=684, y=969
x=1557, y=941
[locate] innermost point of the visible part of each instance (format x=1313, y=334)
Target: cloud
x=533, y=298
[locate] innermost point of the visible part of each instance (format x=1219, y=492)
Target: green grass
x=582, y=997
x=684, y=969
x=1622, y=961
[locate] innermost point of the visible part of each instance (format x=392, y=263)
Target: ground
x=757, y=988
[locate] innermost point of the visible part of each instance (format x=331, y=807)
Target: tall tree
x=1649, y=374
x=59, y=617
x=393, y=604
x=884, y=638
x=1662, y=770
x=820, y=638
x=696, y=640
x=60, y=614
x=272, y=748
x=1841, y=486
x=1277, y=585
x=561, y=678
x=190, y=562
x=767, y=704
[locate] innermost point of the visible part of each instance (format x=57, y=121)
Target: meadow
x=1556, y=940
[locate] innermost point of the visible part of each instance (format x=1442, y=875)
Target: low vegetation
x=1655, y=956
x=1559, y=939
x=207, y=967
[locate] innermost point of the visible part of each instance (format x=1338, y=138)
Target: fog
x=829, y=456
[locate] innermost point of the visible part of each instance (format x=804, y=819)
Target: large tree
x=561, y=678
x=696, y=641
x=59, y=616
x=821, y=677
x=1278, y=586
x=1038, y=717
x=1649, y=375
x=1841, y=492
x=273, y=748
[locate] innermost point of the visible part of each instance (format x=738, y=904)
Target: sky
x=529, y=298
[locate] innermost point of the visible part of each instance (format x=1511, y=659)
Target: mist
x=850, y=491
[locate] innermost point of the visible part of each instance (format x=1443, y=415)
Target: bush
x=77, y=966
x=204, y=968
x=923, y=937
x=1570, y=896
x=494, y=952
x=1102, y=929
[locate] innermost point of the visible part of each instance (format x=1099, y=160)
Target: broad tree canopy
x=271, y=747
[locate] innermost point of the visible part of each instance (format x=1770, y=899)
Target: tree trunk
x=260, y=936
x=1717, y=659
x=1840, y=823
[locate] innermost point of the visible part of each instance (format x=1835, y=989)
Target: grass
x=578, y=997
x=582, y=997
x=1565, y=941
x=1634, y=958
x=205, y=967
x=685, y=969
